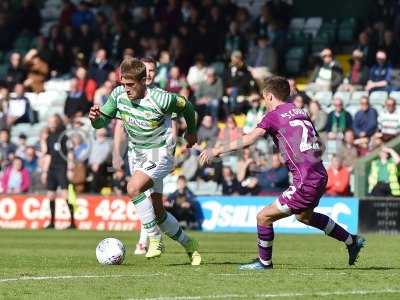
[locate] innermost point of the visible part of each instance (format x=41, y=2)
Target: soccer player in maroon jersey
x=294, y=134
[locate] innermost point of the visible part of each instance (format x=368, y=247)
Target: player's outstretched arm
x=245, y=140
x=100, y=117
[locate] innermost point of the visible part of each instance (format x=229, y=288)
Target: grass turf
x=306, y=267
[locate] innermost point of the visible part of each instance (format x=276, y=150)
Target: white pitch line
x=43, y=278
x=33, y=278
x=260, y=274
x=270, y=296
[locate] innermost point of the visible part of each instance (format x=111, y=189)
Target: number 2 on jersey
x=306, y=127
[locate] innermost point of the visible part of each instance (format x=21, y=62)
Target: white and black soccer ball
x=110, y=251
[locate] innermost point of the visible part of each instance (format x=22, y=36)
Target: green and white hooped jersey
x=147, y=121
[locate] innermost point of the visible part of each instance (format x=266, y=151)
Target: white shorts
x=155, y=163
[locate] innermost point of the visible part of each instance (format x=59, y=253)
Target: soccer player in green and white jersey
x=119, y=140
x=145, y=113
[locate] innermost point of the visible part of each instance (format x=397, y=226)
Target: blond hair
x=132, y=68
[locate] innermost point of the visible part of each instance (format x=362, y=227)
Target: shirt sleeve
x=266, y=124
x=109, y=109
x=177, y=104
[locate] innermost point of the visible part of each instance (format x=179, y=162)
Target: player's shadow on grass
x=210, y=263
x=229, y=252
x=372, y=268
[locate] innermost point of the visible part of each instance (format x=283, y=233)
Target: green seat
x=3, y=70
x=218, y=67
x=2, y=57
x=328, y=30
x=294, y=60
x=348, y=22
x=293, y=66
x=295, y=53
x=323, y=39
x=298, y=38
x=346, y=30
x=23, y=43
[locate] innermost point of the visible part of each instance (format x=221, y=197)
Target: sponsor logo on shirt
x=180, y=102
x=140, y=123
x=293, y=112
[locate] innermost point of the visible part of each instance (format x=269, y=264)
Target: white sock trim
x=265, y=244
x=349, y=240
x=265, y=262
x=330, y=226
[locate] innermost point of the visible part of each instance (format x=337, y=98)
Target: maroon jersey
x=294, y=134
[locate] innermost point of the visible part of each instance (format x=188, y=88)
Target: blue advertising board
x=238, y=214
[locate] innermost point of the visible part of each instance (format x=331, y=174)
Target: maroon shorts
x=297, y=199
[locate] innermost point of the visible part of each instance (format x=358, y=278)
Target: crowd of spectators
x=214, y=53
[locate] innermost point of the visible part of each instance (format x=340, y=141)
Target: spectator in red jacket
x=86, y=84
x=16, y=178
x=338, y=178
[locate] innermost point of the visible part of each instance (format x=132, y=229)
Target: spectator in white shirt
x=18, y=107
x=197, y=73
x=388, y=121
x=255, y=113
x=328, y=76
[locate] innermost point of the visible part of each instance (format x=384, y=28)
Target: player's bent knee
x=132, y=190
x=304, y=218
x=263, y=219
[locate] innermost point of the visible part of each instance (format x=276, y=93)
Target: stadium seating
x=218, y=67
x=378, y=97
x=346, y=31
x=355, y=96
x=3, y=70
x=294, y=60
x=57, y=85
x=324, y=97
x=345, y=96
x=230, y=161
x=31, y=131
x=312, y=26
x=205, y=187
x=396, y=95
x=298, y=38
x=330, y=28
x=353, y=109
x=321, y=41
x=170, y=183
x=297, y=24
x=23, y=43
x=310, y=94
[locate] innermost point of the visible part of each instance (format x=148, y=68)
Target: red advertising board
x=92, y=213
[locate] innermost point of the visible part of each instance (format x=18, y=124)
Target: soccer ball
x=110, y=251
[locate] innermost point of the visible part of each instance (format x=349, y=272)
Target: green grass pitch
x=62, y=265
